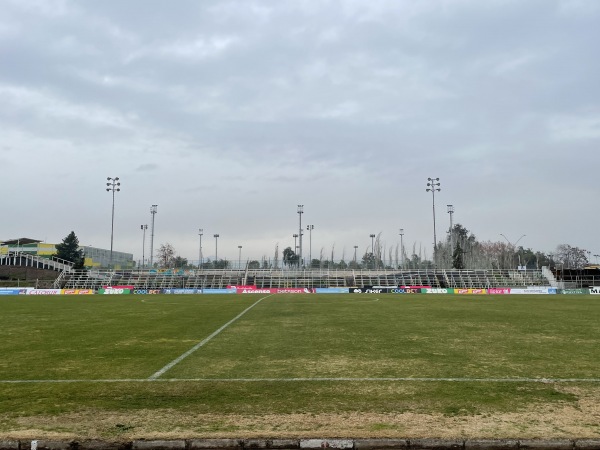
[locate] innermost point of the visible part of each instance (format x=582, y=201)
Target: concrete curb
x=306, y=444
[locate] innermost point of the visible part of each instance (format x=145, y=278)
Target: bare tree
x=166, y=255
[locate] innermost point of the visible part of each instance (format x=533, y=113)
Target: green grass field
x=351, y=365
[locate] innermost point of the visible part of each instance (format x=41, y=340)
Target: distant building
x=93, y=257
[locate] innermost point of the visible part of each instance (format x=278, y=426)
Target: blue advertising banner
x=182, y=291
x=219, y=291
x=331, y=290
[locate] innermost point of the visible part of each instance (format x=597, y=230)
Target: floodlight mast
x=153, y=210
x=433, y=186
x=144, y=228
x=451, y=211
x=200, y=234
x=514, y=245
x=401, y=247
x=300, y=212
x=113, y=185
x=310, y=228
x=216, y=236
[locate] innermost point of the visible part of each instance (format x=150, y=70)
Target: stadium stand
x=315, y=278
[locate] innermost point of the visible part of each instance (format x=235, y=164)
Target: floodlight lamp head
x=108, y=178
x=107, y=189
x=118, y=190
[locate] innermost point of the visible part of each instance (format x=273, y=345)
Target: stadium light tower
x=372, y=236
x=200, y=234
x=300, y=212
x=144, y=228
x=310, y=228
x=401, y=247
x=433, y=186
x=355, y=248
x=216, y=236
x=514, y=245
x=153, y=212
x=240, y=256
x=451, y=212
x=113, y=186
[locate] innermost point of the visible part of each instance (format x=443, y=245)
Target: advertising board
x=78, y=291
x=499, y=291
x=182, y=291
x=13, y=291
x=595, y=290
x=335, y=290
x=218, y=291
x=470, y=291
x=534, y=290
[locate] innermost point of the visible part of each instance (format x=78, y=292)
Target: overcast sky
x=228, y=114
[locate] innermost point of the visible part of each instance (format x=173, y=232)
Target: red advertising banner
x=78, y=291
x=250, y=286
x=254, y=290
x=503, y=291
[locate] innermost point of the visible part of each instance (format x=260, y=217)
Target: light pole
x=300, y=212
x=433, y=187
x=372, y=236
x=113, y=185
x=144, y=228
x=514, y=245
x=310, y=228
x=451, y=211
x=216, y=236
x=200, y=234
x=153, y=212
x=355, y=248
x=240, y=256
x=401, y=247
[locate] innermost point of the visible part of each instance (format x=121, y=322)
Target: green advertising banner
x=574, y=291
x=437, y=291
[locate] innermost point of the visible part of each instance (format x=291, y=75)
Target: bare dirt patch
x=574, y=420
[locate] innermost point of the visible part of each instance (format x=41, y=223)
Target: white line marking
x=300, y=380
x=203, y=342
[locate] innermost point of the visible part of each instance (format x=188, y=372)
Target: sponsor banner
x=386, y=290
x=250, y=286
x=130, y=287
x=532, y=290
x=500, y=291
x=437, y=291
x=404, y=290
x=367, y=290
x=114, y=291
x=218, y=291
x=181, y=291
x=44, y=291
x=595, y=290
x=470, y=291
x=295, y=291
x=13, y=291
x=574, y=291
x=78, y=291
x=331, y=290
x=257, y=291
x=145, y=291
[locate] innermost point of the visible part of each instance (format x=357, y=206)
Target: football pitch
x=300, y=365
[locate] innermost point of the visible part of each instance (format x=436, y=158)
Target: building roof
x=20, y=241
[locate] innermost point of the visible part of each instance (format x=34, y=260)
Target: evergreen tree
x=69, y=250
x=457, y=258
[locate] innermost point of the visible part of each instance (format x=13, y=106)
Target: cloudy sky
x=228, y=114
